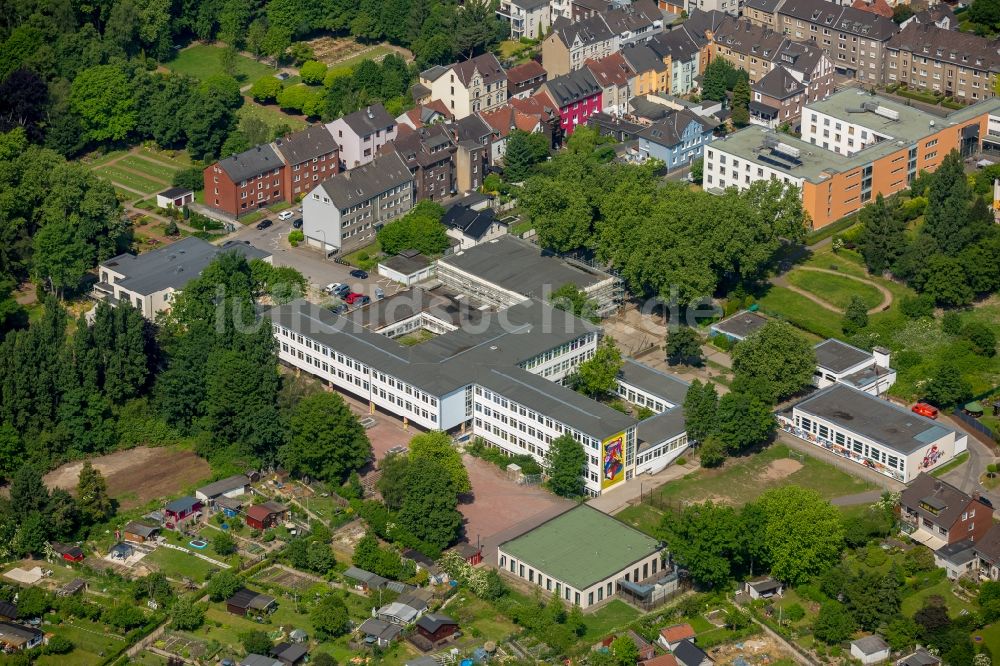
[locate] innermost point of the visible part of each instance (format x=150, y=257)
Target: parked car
x=924, y=409
x=339, y=308
x=263, y=224
x=379, y=293
x=297, y=223
x=285, y=215
x=337, y=289
x=354, y=298
x=359, y=274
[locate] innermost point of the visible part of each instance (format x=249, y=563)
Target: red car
x=924, y=409
x=354, y=298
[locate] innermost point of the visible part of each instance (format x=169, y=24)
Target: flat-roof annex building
x=854, y=146
x=873, y=432
x=495, y=373
x=582, y=555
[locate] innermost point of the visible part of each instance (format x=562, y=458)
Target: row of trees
x=666, y=240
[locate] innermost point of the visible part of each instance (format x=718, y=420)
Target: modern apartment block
x=854, y=146
x=468, y=87
x=958, y=64
x=344, y=212
x=494, y=375
x=527, y=18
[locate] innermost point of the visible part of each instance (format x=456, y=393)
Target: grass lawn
x=817, y=322
x=472, y=612
x=131, y=180
x=835, y=289
x=202, y=61
x=153, y=169
x=615, y=614
x=741, y=480
x=415, y=338
x=90, y=640
x=175, y=158
x=990, y=637
x=912, y=603
x=509, y=47
x=272, y=116
x=375, y=52
x=373, y=251
x=176, y=564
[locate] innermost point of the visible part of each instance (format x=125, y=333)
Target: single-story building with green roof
x=582, y=555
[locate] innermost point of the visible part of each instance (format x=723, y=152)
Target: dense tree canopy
x=774, y=362
x=565, y=463
x=420, y=230
x=325, y=439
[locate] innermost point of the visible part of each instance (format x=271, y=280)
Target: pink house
x=577, y=95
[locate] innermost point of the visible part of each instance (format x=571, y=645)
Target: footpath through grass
x=836, y=290
x=742, y=480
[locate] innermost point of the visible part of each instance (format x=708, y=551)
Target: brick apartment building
x=958, y=64
x=242, y=183
x=310, y=156
x=429, y=153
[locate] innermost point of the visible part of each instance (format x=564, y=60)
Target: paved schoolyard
x=501, y=510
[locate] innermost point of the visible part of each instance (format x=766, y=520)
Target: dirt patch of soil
x=760, y=649
x=779, y=469
x=138, y=475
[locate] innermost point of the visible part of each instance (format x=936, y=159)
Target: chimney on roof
x=370, y=114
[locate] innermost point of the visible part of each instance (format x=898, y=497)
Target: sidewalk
x=627, y=493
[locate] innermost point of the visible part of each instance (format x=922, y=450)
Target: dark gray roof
x=529, y=4
x=290, y=653
x=488, y=356
x=8, y=610
x=689, y=654
x=18, y=631
x=472, y=223
x=433, y=621
x=764, y=584
x=778, y=84
x=259, y=660
x=868, y=416
x=242, y=598
x=589, y=31
x=180, y=504
x=958, y=553
x=437, y=302
x=643, y=58
x=670, y=130
x=919, y=658
x=380, y=629
x=140, y=529
x=471, y=128
x=660, y=428
x=677, y=43
x=486, y=64
x=174, y=192
x=642, y=107
x=224, y=485
x=360, y=184
x=306, y=144
x=741, y=324
x=699, y=22
x=638, y=16
x=662, y=385
x=369, y=119
x=174, y=265
x=406, y=263
x=433, y=73
x=959, y=48
x=838, y=356
x=870, y=644
x=251, y=163
x=521, y=267
x=763, y=5
x=572, y=87
x=801, y=57
x=947, y=501
x=750, y=39
x=988, y=546
x=846, y=18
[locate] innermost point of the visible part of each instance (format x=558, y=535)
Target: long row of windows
x=662, y=450
x=861, y=448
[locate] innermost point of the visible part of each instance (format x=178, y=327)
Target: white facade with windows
x=723, y=169
x=840, y=136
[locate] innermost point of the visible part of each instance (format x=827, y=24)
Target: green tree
x=624, y=651
x=102, y=98
x=947, y=387
x=855, y=316
x=598, y=375
x=883, y=234
x=430, y=508
x=256, y=642
x=800, y=533
x=833, y=624
x=266, y=89
x=186, y=616
x=522, y=153
x=946, y=217
x=698, y=170
x=224, y=88
x=706, y=540
x=741, y=103
x=714, y=80
x=700, y=405
x=565, y=462
x=325, y=439
x=222, y=585
x=329, y=617
x=420, y=230
x=684, y=347
x=743, y=421
x=712, y=452
x=943, y=278
x=393, y=483
x=436, y=445
x=92, y=498
x=366, y=552
x=982, y=337
x=572, y=299
x=776, y=360
x=312, y=72
x=223, y=544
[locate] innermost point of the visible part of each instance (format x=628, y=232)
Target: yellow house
x=652, y=74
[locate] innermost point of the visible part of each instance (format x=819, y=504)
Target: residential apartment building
x=936, y=513
x=614, y=75
x=522, y=80
x=854, y=147
x=854, y=39
x=431, y=112
x=311, y=155
x=635, y=23
x=361, y=134
x=240, y=184
x=685, y=55
x=498, y=380
x=505, y=120
x=429, y=154
x=585, y=9
x=676, y=140
x=762, y=13
x=777, y=98
x=151, y=281
x=958, y=64
x=729, y=7
x=474, y=139
x=572, y=44
x=652, y=74
x=748, y=46
x=343, y=212
x=471, y=86
x=577, y=95
x=527, y=18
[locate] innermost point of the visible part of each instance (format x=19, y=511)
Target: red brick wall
x=225, y=195
x=326, y=166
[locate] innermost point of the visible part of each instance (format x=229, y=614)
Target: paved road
x=628, y=492
x=966, y=476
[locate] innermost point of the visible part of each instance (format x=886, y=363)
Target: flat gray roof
x=522, y=267
x=874, y=418
x=662, y=385
x=406, y=264
x=174, y=265
x=912, y=125
x=838, y=356
x=741, y=324
x=660, y=428
x=486, y=353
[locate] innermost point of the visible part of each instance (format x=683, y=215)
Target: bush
x=58, y=645
x=191, y=178
x=681, y=461
x=793, y=613
x=915, y=307
x=171, y=228
x=951, y=323
x=295, y=237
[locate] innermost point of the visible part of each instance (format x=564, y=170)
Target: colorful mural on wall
x=612, y=460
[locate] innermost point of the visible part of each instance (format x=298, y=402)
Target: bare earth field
x=138, y=475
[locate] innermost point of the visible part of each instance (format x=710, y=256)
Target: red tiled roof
x=611, y=70
x=526, y=72
x=539, y=103
x=677, y=632
x=662, y=660
x=880, y=7
x=505, y=118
